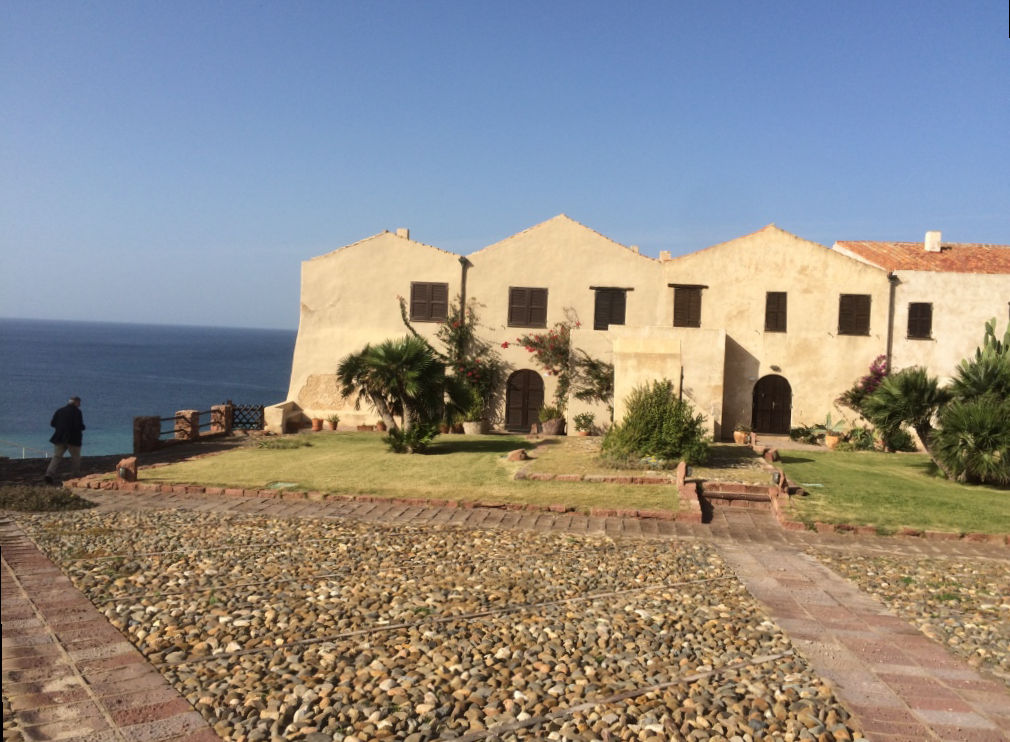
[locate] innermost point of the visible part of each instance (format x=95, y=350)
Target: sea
x=122, y=371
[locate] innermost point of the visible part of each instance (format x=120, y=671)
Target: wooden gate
x=523, y=399
x=772, y=406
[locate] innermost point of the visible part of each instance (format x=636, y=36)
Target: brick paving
x=69, y=675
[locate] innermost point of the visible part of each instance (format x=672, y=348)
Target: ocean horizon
x=123, y=370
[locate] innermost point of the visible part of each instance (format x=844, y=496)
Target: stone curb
x=99, y=482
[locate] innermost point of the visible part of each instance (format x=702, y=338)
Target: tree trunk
x=924, y=432
x=383, y=409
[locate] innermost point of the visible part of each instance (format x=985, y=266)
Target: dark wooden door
x=773, y=405
x=523, y=400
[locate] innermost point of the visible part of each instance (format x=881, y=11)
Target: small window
x=429, y=302
x=854, y=314
x=775, y=311
x=920, y=320
x=609, y=310
x=527, y=307
x=687, y=306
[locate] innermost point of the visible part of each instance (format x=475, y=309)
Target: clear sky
x=174, y=162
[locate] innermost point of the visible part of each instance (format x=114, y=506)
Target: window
x=429, y=302
x=527, y=307
x=610, y=305
x=854, y=314
x=920, y=320
x=686, y=305
x=775, y=311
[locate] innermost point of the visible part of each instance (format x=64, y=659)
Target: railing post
x=222, y=418
x=187, y=425
x=146, y=434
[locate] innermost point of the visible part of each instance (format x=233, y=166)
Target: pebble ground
x=377, y=621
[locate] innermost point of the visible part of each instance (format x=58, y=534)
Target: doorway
x=772, y=406
x=524, y=397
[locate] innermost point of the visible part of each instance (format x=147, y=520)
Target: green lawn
x=455, y=468
x=890, y=491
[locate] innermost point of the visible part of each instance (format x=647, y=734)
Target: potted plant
x=333, y=421
x=365, y=428
x=473, y=416
x=317, y=424
x=831, y=430
x=741, y=433
x=584, y=423
x=380, y=425
x=552, y=420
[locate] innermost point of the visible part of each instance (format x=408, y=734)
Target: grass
x=890, y=491
x=454, y=468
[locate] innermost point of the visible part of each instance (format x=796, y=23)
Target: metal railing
x=205, y=418
x=43, y=453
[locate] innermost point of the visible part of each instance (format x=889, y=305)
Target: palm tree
x=356, y=377
x=909, y=397
x=400, y=377
x=974, y=439
x=407, y=370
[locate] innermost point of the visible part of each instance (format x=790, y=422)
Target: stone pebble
x=569, y=621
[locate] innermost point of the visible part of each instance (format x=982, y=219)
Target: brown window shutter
x=601, y=310
x=687, y=306
x=854, y=314
x=538, y=308
x=618, y=305
x=775, y=311
x=920, y=320
x=519, y=307
x=439, y=307
x=420, y=294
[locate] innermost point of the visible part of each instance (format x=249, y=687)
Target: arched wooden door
x=524, y=397
x=773, y=405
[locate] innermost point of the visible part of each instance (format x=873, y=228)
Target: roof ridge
x=380, y=234
x=564, y=217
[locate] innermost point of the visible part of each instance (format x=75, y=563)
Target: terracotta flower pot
x=739, y=437
x=317, y=424
x=830, y=441
x=582, y=433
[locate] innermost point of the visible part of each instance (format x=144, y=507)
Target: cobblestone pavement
x=375, y=620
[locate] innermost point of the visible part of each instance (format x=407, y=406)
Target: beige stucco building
x=766, y=329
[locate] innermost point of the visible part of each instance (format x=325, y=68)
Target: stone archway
x=771, y=411
x=524, y=396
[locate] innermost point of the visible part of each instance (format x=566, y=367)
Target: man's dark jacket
x=69, y=424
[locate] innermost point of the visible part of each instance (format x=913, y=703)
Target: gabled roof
x=384, y=233
x=560, y=219
x=954, y=257
x=771, y=229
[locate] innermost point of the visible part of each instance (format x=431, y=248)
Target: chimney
x=932, y=242
x=405, y=233
x=634, y=248
x=664, y=255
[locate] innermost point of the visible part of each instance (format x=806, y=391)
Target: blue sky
x=175, y=162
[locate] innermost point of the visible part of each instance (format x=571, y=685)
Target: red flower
x=505, y=344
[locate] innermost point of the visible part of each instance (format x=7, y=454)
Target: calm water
x=121, y=371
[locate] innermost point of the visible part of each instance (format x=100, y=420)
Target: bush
x=804, y=434
x=415, y=440
x=973, y=440
x=657, y=425
x=861, y=439
x=898, y=439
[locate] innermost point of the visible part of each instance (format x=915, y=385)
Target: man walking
x=69, y=424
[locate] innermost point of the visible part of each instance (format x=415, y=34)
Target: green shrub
x=657, y=425
x=549, y=412
x=415, y=440
x=898, y=439
x=861, y=439
x=973, y=440
x=804, y=434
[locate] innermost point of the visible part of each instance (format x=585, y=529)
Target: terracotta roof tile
x=954, y=257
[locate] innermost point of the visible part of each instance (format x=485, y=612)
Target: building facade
x=766, y=330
